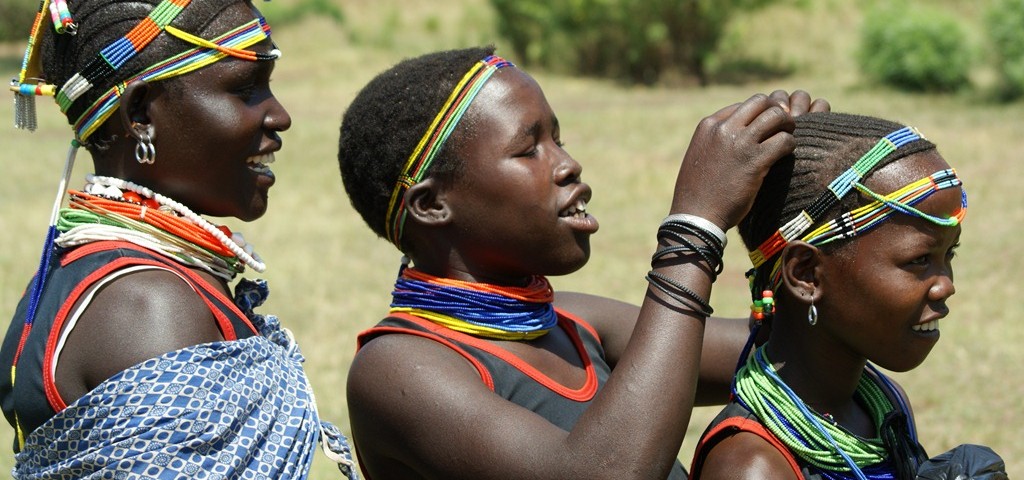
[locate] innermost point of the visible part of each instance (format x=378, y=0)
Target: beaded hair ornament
x=852, y=223
x=433, y=140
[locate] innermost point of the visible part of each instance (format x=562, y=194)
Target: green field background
x=331, y=278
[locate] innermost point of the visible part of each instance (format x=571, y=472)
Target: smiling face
x=518, y=205
x=215, y=130
x=884, y=292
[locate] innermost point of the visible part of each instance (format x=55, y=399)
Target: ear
x=426, y=203
x=801, y=271
x=134, y=109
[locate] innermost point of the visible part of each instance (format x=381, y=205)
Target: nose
x=567, y=169
x=277, y=118
x=942, y=289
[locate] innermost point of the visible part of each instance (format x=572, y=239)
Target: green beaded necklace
x=813, y=437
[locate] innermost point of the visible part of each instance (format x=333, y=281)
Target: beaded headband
x=835, y=192
x=115, y=55
x=862, y=219
x=434, y=138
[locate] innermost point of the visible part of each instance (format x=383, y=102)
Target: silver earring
x=145, y=151
x=812, y=313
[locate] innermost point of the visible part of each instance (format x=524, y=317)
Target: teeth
x=259, y=160
x=579, y=210
x=926, y=327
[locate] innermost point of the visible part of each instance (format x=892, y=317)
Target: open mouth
x=926, y=327
x=577, y=210
x=260, y=163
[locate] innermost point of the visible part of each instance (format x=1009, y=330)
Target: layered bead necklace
x=834, y=451
x=115, y=209
x=484, y=310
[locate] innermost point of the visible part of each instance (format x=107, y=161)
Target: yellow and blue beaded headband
x=854, y=222
x=434, y=138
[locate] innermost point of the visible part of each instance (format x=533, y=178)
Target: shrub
x=1005, y=27
x=916, y=49
x=16, y=19
x=634, y=40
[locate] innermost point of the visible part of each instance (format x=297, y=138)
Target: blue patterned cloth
x=225, y=410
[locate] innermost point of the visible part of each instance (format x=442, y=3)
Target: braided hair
x=101, y=22
x=827, y=144
x=382, y=126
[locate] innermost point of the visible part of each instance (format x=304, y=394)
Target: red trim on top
x=581, y=322
x=582, y=394
x=226, y=327
x=193, y=279
x=740, y=424
x=485, y=375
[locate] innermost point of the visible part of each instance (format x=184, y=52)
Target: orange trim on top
x=485, y=375
x=584, y=393
x=196, y=282
x=740, y=424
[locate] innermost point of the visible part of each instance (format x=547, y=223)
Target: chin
x=906, y=363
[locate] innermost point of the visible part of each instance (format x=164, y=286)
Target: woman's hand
x=799, y=102
x=730, y=153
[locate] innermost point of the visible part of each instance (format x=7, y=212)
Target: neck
x=825, y=375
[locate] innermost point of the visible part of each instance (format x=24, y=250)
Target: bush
x=915, y=49
x=634, y=40
x=16, y=18
x=1005, y=27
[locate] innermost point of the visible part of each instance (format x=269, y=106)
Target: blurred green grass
x=330, y=277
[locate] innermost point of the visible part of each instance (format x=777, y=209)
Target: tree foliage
x=1005, y=27
x=916, y=49
x=634, y=40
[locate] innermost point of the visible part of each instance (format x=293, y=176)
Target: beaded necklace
x=485, y=310
x=815, y=438
x=116, y=209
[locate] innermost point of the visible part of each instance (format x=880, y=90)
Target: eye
x=952, y=252
x=245, y=92
x=922, y=260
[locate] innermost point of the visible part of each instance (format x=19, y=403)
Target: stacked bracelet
x=680, y=235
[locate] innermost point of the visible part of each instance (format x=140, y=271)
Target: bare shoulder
x=418, y=409
x=746, y=456
x=613, y=319
x=133, y=318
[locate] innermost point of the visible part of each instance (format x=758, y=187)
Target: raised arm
x=445, y=423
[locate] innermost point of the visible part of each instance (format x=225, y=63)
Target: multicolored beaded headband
x=836, y=191
x=434, y=138
x=859, y=220
x=114, y=56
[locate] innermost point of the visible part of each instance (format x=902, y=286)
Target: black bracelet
x=680, y=293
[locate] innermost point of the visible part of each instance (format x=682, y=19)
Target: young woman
x=852, y=239
x=481, y=370
x=128, y=353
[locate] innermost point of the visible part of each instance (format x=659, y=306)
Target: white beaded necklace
x=250, y=260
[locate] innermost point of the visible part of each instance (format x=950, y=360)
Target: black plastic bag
x=965, y=462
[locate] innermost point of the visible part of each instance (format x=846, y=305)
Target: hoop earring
x=812, y=312
x=145, y=151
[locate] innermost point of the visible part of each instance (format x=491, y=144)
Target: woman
x=480, y=370
x=852, y=239
x=128, y=352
